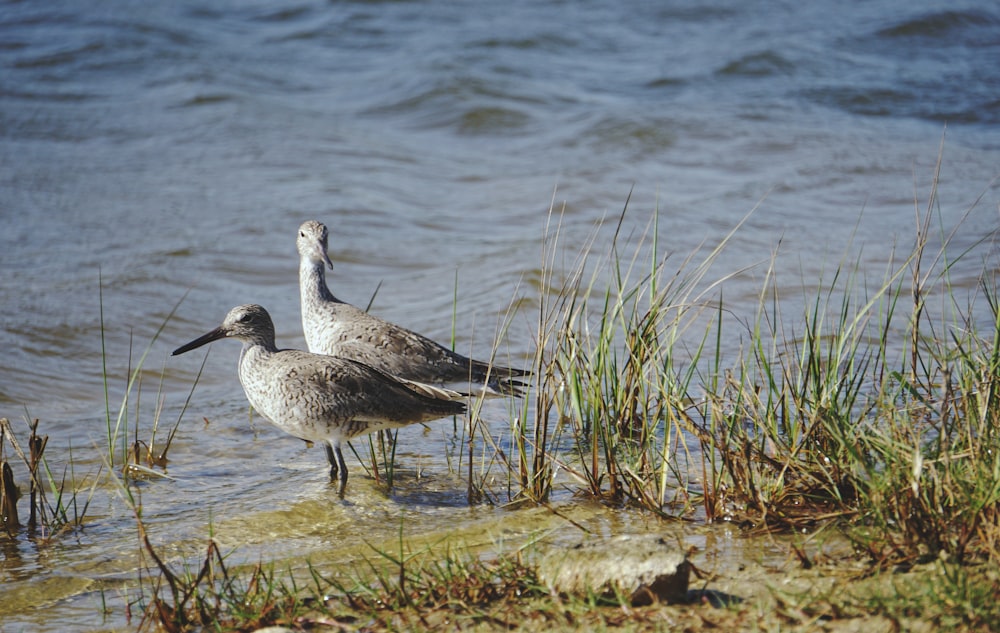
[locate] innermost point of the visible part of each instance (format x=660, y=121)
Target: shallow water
x=157, y=152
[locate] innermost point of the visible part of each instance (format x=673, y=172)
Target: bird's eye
x=245, y=318
x=302, y=233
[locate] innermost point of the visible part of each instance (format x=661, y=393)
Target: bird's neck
x=312, y=281
x=252, y=357
x=258, y=349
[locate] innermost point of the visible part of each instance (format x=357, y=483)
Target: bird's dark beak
x=214, y=335
x=324, y=256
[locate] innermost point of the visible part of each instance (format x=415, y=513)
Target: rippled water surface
x=154, y=152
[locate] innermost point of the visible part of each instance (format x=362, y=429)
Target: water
x=157, y=151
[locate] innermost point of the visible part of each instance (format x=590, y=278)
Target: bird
x=334, y=327
x=321, y=398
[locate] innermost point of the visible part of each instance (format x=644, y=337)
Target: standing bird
x=340, y=329
x=322, y=398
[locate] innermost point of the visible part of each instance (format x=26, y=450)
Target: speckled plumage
x=340, y=329
x=323, y=398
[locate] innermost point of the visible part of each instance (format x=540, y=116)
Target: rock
x=644, y=567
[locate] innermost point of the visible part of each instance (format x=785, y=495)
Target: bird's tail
x=439, y=401
x=430, y=391
x=500, y=381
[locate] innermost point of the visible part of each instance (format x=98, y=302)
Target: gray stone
x=644, y=567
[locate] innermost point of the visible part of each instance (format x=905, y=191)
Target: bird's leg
x=332, y=458
x=343, y=470
x=338, y=468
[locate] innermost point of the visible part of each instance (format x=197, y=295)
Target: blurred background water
x=154, y=151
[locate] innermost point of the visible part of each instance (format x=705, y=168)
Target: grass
x=874, y=412
x=869, y=412
x=833, y=424
x=864, y=409
x=388, y=591
x=440, y=586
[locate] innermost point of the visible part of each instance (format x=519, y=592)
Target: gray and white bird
x=321, y=398
x=334, y=327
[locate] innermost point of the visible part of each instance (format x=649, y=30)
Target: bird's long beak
x=214, y=335
x=324, y=256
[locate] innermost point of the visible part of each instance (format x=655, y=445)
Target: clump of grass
x=608, y=369
x=841, y=421
x=781, y=428
x=934, y=484
x=210, y=596
x=940, y=596
x=138, y=457
x=45, y=517
x=408, y=589
x=418, y=589
x=533, y=435
x=144, y=456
